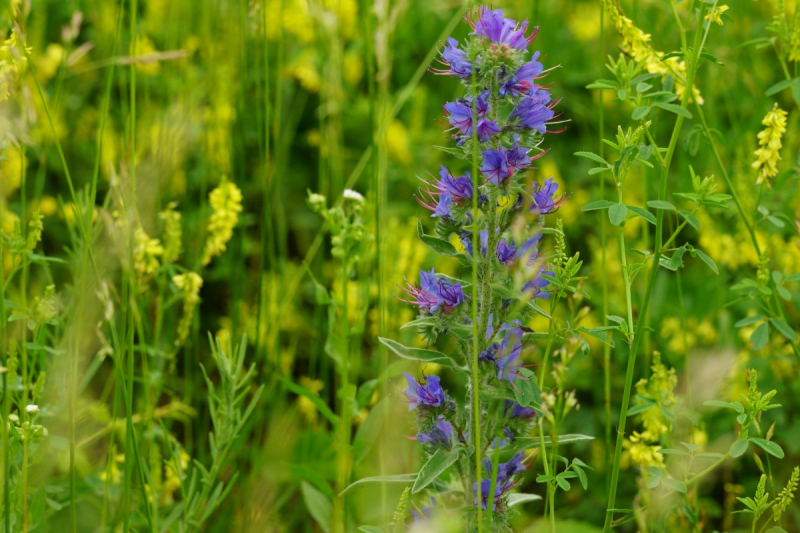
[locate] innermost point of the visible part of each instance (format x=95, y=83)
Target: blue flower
x=515, y=410
x=440, y=196
x=435, y=293
x=425, y=513
x=427, y=392
x=538, y=284
x=498, y=29
x=459, y=115
x=504, y=481
x=455, y=59
x=522, y=80
x=544, y=199
x=509, y=354
x=441, y=434
x=506, y=251
x=534, y=110
x=500, y=164
x=466, y=241
x=495, y=165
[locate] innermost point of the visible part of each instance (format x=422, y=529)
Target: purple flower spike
x=466, y=241
x=459, y=189
x=427, y=392
x=441, y=434
x=517, y=157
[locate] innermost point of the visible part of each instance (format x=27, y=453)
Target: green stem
x=662, y=193
x=476, y=247
x=547, y=473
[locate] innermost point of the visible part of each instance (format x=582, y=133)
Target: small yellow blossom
x=173, y=232
x=189, y=284
x=397, y=142
x=48, y=206
x=715, y=14
x=769, y=142
x=146, y=252
x=226, y=201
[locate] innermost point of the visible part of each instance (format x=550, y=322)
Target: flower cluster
x=226, y=201
x=505, y=479
x=769, y=145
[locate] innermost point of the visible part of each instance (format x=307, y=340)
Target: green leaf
x=778, y=87
x=736, y=406
x=784, y=329
x=644, y=213
x=640, y=112
x=672, y=108
x=641, y=408
x=318, y=402
x=796, y=91
x=707, y=260
x=784, y=293
x=599, y=333
x=526, y=391
x=370, y=529
x=690, y=218
x=436, y=244
x=660, y=204
x=593, y=157
x=759, y=337
x=709, y=455
x=617, y=214
x=427, y=321
x=599, y=204
x=768, y=446
x=672, y=451
x=581, y=476
x=603, y=84
x=563, y=483
x=401, y=479
x=417, y=354
x=674, y=484
x=749, y=320
x=518, y=498
x=776, y=529
x=739, y=447
x=318, y=505
x=533, y=442
x=778, y=223
x=437, y=464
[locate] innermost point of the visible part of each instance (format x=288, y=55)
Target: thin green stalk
x=546, y=467
x=24, y=344
x=6, y=515
x=343, y=457
x=476, y=406
x=686, y=368
x=603, y=264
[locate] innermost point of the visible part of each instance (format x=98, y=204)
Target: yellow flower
x=715, y=14
x=146, y=252
x=189, y=284
x=226, y=200
x=769, y=142
x=48, y=206
x=583, y=21
x=397, y=143
x=643, y=451
x=173, y=232
x=636, y=43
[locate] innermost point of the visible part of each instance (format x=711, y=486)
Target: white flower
x=350, y=194
x=32, y=409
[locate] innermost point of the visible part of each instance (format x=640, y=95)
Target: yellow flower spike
x=769, y=142
x=173, y=232
x=226, y=201
x=715, y=14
